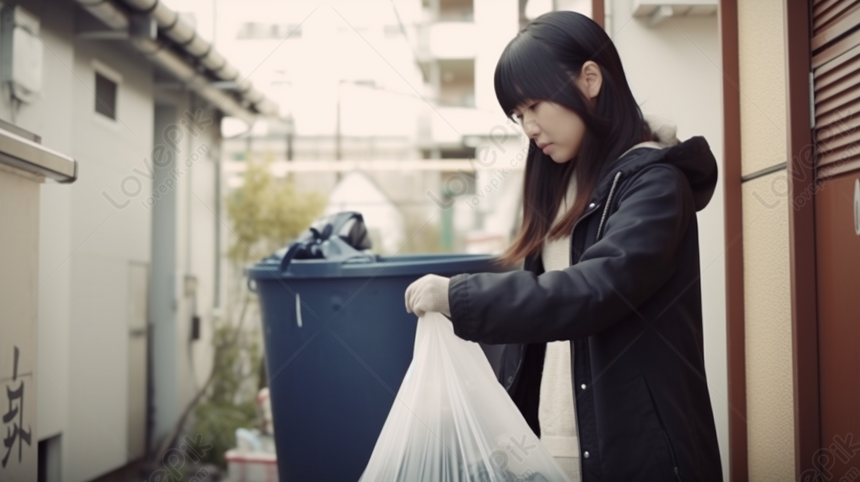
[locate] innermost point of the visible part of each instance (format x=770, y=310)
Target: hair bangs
x=515, y=80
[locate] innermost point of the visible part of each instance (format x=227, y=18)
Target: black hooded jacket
x=631, y=304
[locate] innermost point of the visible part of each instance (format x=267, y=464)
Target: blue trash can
x=338, y=343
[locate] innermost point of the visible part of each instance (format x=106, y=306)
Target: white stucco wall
x=187, y=222
x=673, y=70
x=19, y=213
x=85, y=242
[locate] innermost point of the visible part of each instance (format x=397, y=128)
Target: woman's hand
x=428, y=293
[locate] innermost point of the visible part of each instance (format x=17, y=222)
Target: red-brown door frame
x=598, y=8
x=801, y=184
x=801, y=218
x=733, y=197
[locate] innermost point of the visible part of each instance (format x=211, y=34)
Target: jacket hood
x=692, y=156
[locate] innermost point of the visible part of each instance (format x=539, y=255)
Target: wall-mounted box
x=20, y=53
x=656, y=11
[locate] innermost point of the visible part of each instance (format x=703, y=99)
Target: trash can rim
x=385, y=265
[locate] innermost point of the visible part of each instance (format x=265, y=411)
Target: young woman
x=600, y=333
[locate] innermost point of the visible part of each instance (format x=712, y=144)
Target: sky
x=338, y=41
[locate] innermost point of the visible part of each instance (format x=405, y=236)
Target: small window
x=105, y=96
x=392, y=30
x=293, y=30
x=268, y=31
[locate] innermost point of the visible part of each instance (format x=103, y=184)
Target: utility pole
x=338, y=154
x=290, y=132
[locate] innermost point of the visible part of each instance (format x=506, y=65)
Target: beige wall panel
x=19, y=301
x=761, y=49
x=770, y=403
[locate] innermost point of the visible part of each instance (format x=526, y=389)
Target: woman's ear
x=590, y=79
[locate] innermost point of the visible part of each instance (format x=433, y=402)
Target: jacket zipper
x=570, y=263
x=588, y=213
x=570, y=245
x=572, y=358
x=608, y=203
x=672, y=453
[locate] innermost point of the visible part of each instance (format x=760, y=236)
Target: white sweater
x=556, y=411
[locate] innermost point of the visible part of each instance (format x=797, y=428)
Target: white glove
x=426, y=294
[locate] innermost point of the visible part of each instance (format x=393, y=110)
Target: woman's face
x=556, y=130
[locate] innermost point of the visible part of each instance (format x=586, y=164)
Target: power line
x=424, y=75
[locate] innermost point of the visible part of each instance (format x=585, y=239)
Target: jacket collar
x=693, y=157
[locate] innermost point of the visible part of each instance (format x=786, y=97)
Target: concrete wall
x=769, y=382
x=673, y=71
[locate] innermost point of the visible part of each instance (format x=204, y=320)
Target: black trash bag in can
x=340, y=236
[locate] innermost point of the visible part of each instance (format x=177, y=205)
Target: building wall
x=187, y=220
x=673, y=71
x=19, y=212
x=769, y=383
x=96, y=243
x=206, y=222
x=201, y=219
x=108, y=236
x=497, y=23
x=50, y=121
x=86, y=242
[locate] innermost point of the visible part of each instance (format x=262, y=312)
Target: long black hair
x=540, y=64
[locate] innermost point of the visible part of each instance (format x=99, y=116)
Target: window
x=105, y=96
x=291, y=30
x=392, y=31
x=268, y=31
x=457, y=86
x=456, y=11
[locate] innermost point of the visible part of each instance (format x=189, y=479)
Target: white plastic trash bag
x=453, y=422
